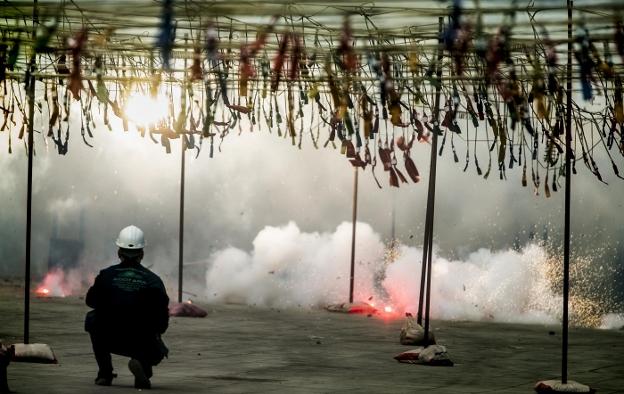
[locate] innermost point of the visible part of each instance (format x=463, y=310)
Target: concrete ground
x=241, y=349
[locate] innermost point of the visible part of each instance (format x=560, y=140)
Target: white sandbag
x=410, y=356
x=556, y=386
x=413, y=333
x=34, y=353
x=434, y=355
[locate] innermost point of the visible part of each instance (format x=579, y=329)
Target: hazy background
x=259, y=180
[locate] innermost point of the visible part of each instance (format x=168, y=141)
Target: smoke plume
x=291, y=268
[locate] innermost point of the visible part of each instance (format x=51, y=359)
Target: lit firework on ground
x=42, y=291
x=370, y=308
x=60, y=283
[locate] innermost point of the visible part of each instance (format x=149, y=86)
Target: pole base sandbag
x=33, y=353
x=433, y=355
x=556, y=386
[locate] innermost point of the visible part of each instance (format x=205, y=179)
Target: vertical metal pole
x=428, y=262
x=423, y=272
x=182, y=166
x=432, y=179
x=568, y=186
x=181, y=230
x=355, y=201
x=31, y=116
x=393, y=229
x=31, y=123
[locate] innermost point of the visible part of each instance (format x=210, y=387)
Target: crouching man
x=130, y=313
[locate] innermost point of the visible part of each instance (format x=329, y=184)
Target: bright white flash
x=145, y=110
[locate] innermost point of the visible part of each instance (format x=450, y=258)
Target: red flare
x=42, y=292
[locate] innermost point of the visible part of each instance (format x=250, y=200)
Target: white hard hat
x=131, y=237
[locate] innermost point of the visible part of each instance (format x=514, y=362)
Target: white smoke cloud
x=612, y=321
x=291, y=268
x=288, y=267
x=504, y=286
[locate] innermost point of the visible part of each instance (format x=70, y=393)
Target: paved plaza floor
x=243, y=349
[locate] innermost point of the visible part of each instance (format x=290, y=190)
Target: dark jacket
x=129, y=300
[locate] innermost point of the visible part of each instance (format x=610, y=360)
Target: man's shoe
x=141, y=381
x=103, y=381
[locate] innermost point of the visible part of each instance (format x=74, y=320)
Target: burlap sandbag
x=434, y=355
x=555, y=386
x=413, y=333
x=34, y=353
x=410, y=356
